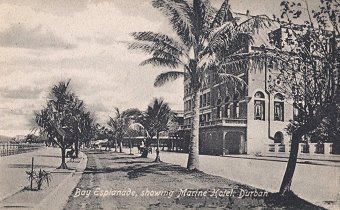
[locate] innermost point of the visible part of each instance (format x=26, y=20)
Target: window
x=237, y=110
x=204, y=100
x=218, y=112
x=278, y=111
x=227, y=111
x=297, y=115
x=201, y=102
x=278, y=107
x=202, y=118
x=259, y=107
x=259, y=94
x=208, y=99
x=278, y=137
x=259, y=110
x=208, y=116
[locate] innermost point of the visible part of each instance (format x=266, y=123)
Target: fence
x=17, y=148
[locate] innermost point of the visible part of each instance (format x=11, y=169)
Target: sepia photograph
x=169, y=104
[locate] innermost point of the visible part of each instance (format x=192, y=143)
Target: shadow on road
x=28, y=166
x=111, y=170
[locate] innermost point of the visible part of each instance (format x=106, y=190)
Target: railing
x=183, y=127
x=307, y=149
x=304, y=148
x=17, y=148
x=222, y=121
x=235, y=121
x=282, y=148
x=229, y=122
x=276, y=148
x=271, y=148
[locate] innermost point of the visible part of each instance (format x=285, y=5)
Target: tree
x=207, y=41
x=308, y=60
x=155, y=120
x=86, y=126
x=120, y=124
x=59, y=120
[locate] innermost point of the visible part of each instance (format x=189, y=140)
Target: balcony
x=225, y=122
x=185, y=127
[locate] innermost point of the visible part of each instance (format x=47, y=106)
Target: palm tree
x=60, y=118
x=120, y=124
x=207, y=41
x=155, y=120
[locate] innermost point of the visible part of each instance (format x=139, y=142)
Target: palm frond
x=149, y=48
x=236, y=44
x=165, y=55
x=242, y=61
x=201, y=11
x=237, y=81
x=161, y=41
x=168, y=76
x=209, y=13
x=161, y=62
x=224, y=14
x=180, y=16
x=254, y=23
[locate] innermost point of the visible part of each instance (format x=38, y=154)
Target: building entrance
x=234, y=143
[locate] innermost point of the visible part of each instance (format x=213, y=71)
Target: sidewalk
x=54, y=196
x=335, y=161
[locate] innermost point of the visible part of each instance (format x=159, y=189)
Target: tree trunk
x=146, y=148
x=76, y=145
x=158, y=158
x=63, y=158
x=130, y=145
x=288, y=176
x=121, y=146
x=193, y=158
x=116, y=145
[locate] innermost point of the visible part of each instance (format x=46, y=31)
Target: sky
x=44, y=42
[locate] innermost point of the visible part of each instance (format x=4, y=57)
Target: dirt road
x=121, y=181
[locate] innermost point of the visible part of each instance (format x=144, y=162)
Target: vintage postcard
x=169, y=104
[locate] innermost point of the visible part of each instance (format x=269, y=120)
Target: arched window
x=278, y=137
x=259, y=106
x=259, y=94
x=278, y=107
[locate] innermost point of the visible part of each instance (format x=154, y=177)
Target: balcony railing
x=225, y=122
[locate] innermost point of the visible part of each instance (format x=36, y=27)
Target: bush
x=39, y=177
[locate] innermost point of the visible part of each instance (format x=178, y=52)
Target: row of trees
x=210, y=40
x=149, y=123
x=64, y=120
